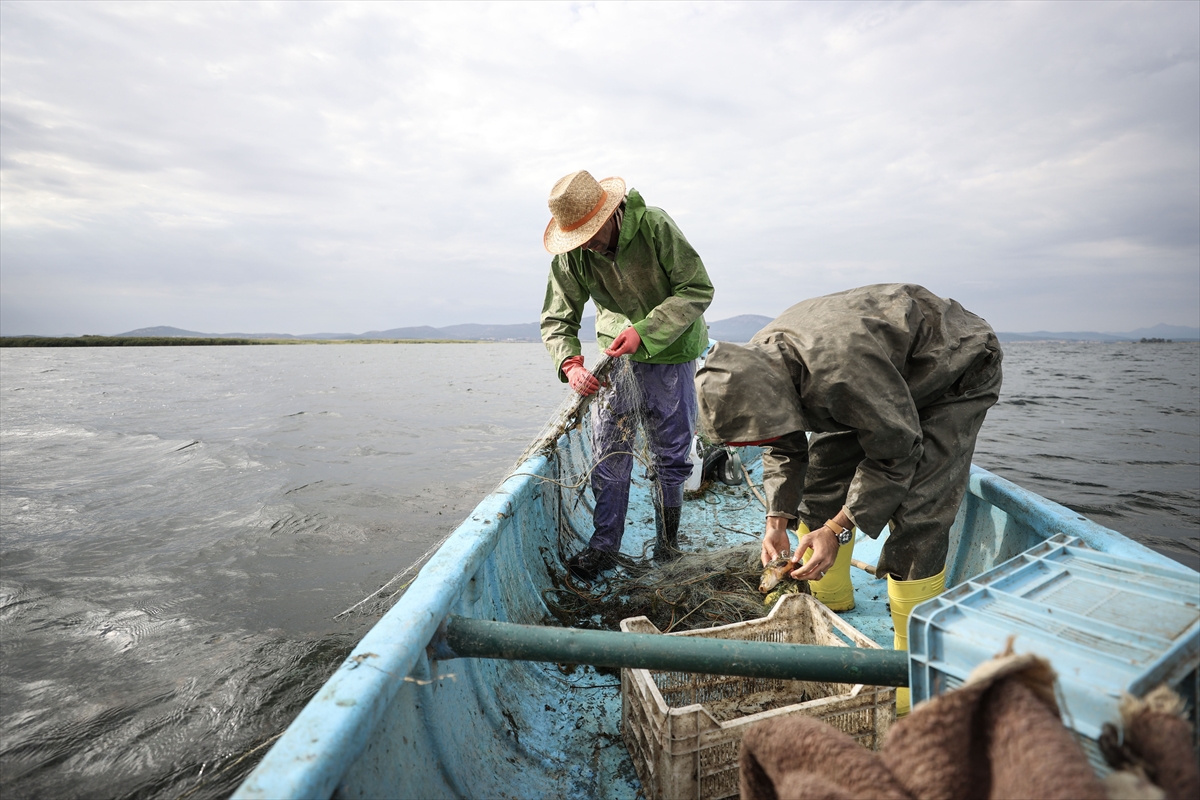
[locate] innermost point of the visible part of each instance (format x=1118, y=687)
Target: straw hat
x=580, y=206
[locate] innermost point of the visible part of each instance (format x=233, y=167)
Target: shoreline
x=189, y=341
x=91, y=340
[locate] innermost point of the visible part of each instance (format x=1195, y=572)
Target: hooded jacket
x=867, y=360
x=657, y=283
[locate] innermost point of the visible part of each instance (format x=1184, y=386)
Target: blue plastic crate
x=1108, y=625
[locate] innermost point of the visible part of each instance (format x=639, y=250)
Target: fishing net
x=697, y=590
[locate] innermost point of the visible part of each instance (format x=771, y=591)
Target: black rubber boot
x=590, y=563
x=666, y=533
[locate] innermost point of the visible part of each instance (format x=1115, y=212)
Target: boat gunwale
x=1033, y=509
x=333, y=728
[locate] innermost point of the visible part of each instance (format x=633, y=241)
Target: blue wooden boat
x=398, y=720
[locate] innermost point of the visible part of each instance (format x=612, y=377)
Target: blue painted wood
x=336, y=726
x=394, y=722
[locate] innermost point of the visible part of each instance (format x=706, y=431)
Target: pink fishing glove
x=627, y=341
x=581, y=380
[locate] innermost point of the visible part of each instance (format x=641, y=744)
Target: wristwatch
x=843, y=535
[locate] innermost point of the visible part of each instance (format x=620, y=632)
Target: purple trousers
x=664, y=397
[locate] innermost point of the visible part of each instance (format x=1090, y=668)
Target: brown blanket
x=999, y=735
x=1154, y=747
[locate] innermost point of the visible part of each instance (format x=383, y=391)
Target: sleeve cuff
x=849, y=516
x=640, y=327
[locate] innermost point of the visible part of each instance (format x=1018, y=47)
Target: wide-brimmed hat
x=579, y=206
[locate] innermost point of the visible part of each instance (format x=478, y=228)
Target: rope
x=424, y=557
x=753, y=488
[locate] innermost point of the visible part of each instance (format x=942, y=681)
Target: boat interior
x=397, y=720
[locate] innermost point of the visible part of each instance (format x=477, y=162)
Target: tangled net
x=696, y=590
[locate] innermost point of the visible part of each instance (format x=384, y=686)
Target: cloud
x=303, y=167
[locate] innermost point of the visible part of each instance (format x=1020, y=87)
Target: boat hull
x=394, y=721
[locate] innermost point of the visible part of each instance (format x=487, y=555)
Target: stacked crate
x=684, y=729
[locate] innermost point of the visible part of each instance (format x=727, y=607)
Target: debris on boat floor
x=731, y=708
x=696, y=590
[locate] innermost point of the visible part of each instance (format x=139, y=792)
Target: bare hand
x=775, y=541
x=824, y=545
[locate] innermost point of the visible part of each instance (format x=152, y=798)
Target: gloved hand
x=627, y=341
x=581, y=380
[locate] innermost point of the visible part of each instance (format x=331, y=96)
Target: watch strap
x=843, y=535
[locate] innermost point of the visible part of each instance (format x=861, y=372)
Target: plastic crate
x=1107, y=625
x=684, y=729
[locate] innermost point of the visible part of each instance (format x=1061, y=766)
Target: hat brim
x=557, y=241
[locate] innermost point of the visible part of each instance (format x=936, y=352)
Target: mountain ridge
x=733, y=329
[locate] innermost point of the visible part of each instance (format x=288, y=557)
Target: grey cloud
x=345, y=167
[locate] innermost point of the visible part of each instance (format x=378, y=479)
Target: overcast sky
x=325, y=167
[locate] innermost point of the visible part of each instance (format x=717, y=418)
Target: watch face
x=844, y=537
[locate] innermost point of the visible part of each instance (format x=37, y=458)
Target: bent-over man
x=894, y=383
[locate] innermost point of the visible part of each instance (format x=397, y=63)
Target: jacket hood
x=746, y=394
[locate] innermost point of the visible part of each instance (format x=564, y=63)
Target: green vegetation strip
x=187, y=341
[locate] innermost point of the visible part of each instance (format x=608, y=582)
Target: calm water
x=179, y=526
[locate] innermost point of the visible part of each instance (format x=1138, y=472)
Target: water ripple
x=180, y=525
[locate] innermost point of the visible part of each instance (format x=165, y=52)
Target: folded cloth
x=1152, y=750
x=998, y=735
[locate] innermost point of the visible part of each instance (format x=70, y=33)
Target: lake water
x=180, y=526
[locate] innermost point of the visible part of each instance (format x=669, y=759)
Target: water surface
x=180, y=526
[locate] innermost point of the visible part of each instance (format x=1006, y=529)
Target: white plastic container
x=693, y=481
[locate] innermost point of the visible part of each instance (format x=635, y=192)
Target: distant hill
x=734, y=329
x=1163, y=331
x=422, y=332
x=737, y=329
x=1179, y=333
x=525, y=332
x=166, y=330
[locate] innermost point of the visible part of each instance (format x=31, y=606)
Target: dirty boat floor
x=570, y=717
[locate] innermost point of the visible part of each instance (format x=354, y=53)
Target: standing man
x=650, y=290
x=894, y=382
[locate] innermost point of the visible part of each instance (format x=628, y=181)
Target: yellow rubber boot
x=903, y=596
x=835, y=590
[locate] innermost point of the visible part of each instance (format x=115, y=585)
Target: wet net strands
x=697, y=590
x=568, y=416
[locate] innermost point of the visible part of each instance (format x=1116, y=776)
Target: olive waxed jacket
x=657, y=283
x=866, y=360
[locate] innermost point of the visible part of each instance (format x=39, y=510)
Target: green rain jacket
x=657, y=283
x=865, y=360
